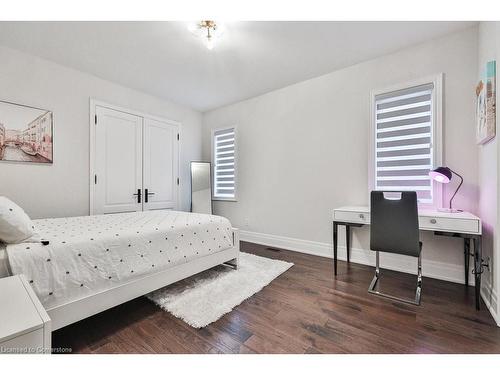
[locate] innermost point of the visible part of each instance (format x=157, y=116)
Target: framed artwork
x=26, y=134
x=486, y=104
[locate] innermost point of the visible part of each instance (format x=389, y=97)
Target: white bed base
x=74, y=311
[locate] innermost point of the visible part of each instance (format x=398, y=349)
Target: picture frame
x=486, y=104
x=26, y=134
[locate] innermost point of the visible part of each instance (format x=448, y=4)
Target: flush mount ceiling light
x=209, y=30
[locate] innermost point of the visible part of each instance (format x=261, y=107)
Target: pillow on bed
x=15, y=225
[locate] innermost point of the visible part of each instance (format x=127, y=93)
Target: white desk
x=461, y=224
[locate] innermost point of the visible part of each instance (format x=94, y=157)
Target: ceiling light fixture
x=208, y=30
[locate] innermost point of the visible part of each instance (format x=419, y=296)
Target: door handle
x=146, y=195
x=138, y=194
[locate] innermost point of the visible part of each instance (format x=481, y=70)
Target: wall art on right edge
x=486, y=105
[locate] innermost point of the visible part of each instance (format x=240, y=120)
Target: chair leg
x=419, y=281
x=371, y=288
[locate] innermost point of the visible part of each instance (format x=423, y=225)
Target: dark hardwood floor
x=305, y=310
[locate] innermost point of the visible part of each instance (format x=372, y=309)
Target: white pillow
x=15, y=225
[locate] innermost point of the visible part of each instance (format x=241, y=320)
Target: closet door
x=161, y=164
x=118, y=161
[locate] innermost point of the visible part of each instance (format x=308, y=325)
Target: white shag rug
x=204, y=298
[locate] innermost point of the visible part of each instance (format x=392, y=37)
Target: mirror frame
x=211, y=183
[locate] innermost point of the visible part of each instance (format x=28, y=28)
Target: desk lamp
x=444, y=175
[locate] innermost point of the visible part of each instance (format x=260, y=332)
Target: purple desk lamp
x=443, y=175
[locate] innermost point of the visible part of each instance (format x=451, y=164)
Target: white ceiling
x=164, y=59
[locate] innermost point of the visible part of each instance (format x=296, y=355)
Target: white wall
x=62, y=189
x=489, y=49
x=303, y=150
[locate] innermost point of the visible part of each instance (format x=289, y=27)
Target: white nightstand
x=24, y=323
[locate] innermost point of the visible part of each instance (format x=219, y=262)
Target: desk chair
x=394, y=229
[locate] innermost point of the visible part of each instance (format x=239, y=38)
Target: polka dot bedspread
x=89, y=254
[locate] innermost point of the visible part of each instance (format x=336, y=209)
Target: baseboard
x=302, y=246
x=490, y=299
x=438, y=270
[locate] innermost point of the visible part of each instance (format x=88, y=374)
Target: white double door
x=136, y=162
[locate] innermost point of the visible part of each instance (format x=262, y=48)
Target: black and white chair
x=394, y=229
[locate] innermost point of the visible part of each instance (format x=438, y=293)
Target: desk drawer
x=447, y=224
x=352, y=217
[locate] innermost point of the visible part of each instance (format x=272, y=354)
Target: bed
x=87, y=264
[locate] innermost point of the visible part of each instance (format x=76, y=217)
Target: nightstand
x=24, y=323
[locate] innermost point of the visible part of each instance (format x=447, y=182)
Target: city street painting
x=486, y=104
x=25, y=134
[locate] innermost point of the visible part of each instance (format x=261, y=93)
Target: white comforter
x=89, y=254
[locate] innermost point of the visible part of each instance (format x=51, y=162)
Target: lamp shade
x=441, y=174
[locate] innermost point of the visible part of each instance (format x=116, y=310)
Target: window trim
x=212, y=141
x=437, y=132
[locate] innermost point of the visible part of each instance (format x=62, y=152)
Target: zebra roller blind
x=224, y=163
x=404, y=141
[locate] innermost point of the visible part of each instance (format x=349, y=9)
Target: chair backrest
x=394, y=223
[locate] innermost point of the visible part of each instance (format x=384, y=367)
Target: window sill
x=225, y=199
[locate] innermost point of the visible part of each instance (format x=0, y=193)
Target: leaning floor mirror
x=201, y=187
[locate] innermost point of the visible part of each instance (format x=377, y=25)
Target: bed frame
x=82, y=308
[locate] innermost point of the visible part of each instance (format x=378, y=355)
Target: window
x=224, y=160
x=406, y=141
